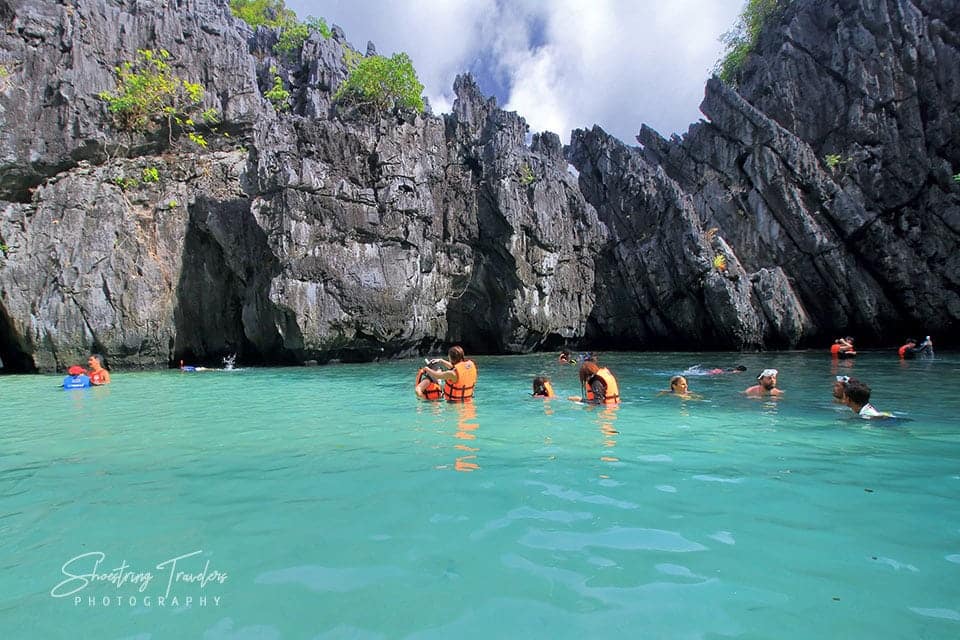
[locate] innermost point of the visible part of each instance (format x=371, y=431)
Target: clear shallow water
x=341, y=507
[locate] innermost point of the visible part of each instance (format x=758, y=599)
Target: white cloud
x=616, y=63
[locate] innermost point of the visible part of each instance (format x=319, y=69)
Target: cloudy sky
x=561, y=64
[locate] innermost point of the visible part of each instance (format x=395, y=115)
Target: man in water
x=911, y=349
x=856, y=395
x=838, y=388
x=98, y=375
x=766, y=384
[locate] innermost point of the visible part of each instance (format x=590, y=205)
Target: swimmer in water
x=856, y=395
x=766, y=384
x=542, y=388
x=680, y=389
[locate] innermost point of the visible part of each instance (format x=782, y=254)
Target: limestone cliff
x=314, y=233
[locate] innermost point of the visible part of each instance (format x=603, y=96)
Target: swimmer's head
x=539, y=386
x=678, y=384
x=587, y=370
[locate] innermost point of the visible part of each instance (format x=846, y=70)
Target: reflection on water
x=466, y=431
x=605, y=418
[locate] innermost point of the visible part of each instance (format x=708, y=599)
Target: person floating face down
x=717, y=371
x=599, y=385
x=766, y=384
x=542, y=388
x=856, y=395
x=459, y=380
x=76, y=378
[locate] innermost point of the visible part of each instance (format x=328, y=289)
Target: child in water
x=542, y=388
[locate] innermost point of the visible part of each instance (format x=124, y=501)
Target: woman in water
x=679, y=388
x=542, y=388
x=599, y=385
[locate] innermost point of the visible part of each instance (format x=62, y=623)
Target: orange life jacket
x=432, y=392
x=613, y=390
x=835, y=349
x=462, y=389
x=903, y=350
x=97, y=377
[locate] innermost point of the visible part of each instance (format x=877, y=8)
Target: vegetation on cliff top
x=741, y=40
x=377, y=84
x=266, y=13
x=148, y=95
x=274, y=13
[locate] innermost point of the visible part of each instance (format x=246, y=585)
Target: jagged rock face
x=299, y=235
x=870, y=245
x=307, y=231
x=410, y=231
x=658, y=283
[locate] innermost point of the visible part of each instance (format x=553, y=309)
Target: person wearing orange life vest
x=542, y=388
x=843, y=348
x=600, y=387
x=461, y=378
x=426, y=387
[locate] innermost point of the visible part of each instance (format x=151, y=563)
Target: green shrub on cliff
x=377, y=84
x=956, y=177
x=267, y=13
x=274, y=13
x=742, y=38
x=277, y=95
x=148, y=95
x=294, y=34
x=292, y=37
x=527, y=177
x=320, y=26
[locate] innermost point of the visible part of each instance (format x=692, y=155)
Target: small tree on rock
x=377, y=84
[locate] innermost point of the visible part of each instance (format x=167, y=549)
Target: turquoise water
x=339, y=506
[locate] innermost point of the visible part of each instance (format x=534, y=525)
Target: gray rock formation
x=871, y=243
x=298, y=235
x=306, y=231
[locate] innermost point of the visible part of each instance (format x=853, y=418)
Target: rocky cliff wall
x=297, y=235
x=309, y=234
x=870, y=244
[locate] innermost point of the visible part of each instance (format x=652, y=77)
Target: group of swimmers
x=455, y=380
x=911, y=348
x=79, y=378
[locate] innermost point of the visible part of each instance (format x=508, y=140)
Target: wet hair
x=539, y=388
x=675, y=379
x=740, y=367
x=587, y=370
x=455, y=354
x=857, y=391
x=98, y=357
